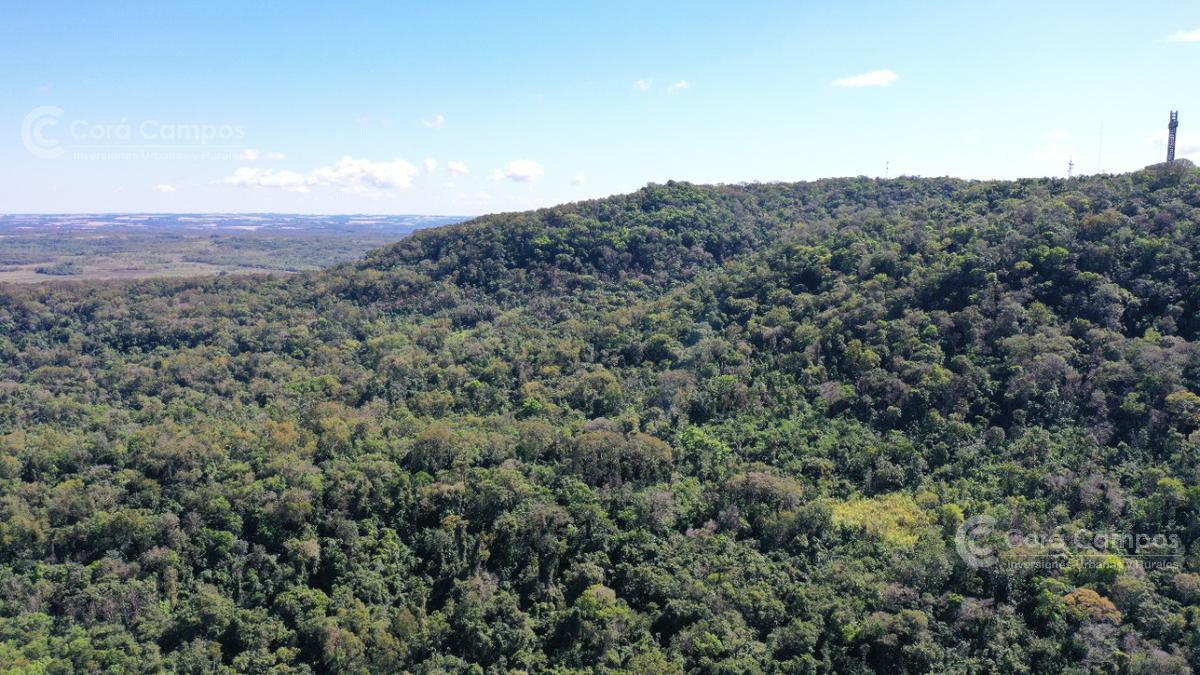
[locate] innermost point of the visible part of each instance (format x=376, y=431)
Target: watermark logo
x=47, y=133
x=34, y=130
x=981, y=546
x=970, y=542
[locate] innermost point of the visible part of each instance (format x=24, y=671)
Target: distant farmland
x=40, y=248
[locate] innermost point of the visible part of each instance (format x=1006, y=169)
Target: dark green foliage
x=62, y=269
x=727, y=429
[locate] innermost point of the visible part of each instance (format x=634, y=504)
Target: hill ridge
x=694, y=428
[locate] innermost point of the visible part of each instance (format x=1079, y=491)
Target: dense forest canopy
x=710, y=429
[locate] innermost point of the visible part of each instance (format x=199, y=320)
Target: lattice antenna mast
x=1171, y=129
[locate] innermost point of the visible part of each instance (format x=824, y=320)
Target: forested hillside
x=710, y=429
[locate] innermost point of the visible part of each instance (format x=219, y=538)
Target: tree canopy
x=702, y=429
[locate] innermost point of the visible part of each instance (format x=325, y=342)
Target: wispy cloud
x=578, y=179
x=875, y=78
x=1054, y=153
x=267, y=178
x=430, y=164
x=642, y=85
x=520, y=171
x=435, y=122
x=456, y=168
x=678, y=86
x=1185, y=144
x=163, y=187
x=1185, y=36
x=348, y=174
x=254, y=154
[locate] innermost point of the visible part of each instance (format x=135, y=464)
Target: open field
x=40, y=248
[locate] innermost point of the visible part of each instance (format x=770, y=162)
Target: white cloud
x=678, y=86
x=1054, y=153
x=456, y=167
x=578, y=179
x=437, y=122
x=519, y=170
x=1185, y=144
x=1185, y=36
x=363, y=174
x=449, y=185
x=352, y=175
x=254, y=154
x=875, y=78
x=361, y=119
x=430, y=165
x=267, y=178
x=642, y=85
x=163, y=187
x=1058, y=134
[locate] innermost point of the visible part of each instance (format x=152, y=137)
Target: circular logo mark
x=33, y=131
x=970, y=542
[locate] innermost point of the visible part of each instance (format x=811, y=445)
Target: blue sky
x=478, y=107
